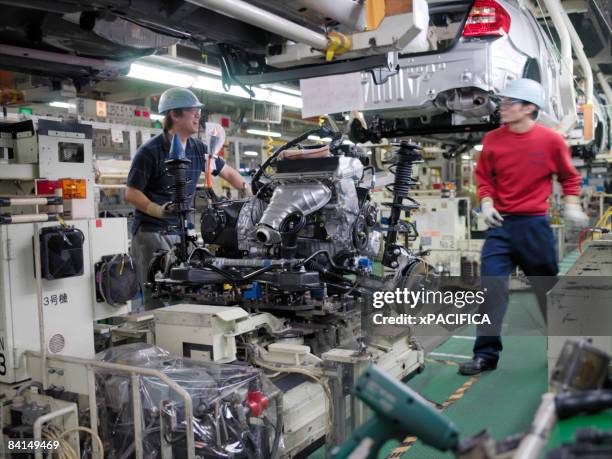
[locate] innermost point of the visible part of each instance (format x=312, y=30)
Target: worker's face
x=514, y=110
x=188, y=122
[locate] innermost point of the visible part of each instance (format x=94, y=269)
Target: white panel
x=331, y=94
x=108, y=236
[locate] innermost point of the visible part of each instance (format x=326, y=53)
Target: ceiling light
x=466, y=157
x=250, y=153
x=369, y=152
x=58, y=104
x=264, y=133
x=478, y=147
x=276, y=94
x=159, y=75
x=155, y=117
x=316, y=138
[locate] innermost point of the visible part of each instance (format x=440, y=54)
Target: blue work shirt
x=148, y=173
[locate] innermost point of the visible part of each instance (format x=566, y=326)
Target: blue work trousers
x=524, y=241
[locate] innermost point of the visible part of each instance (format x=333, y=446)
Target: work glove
x=573, y=213
x=491, y=216
x=245, y=191
x=166, y=210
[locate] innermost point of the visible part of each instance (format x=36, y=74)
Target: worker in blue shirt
x=148, y=182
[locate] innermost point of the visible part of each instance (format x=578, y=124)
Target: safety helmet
x=175, y=98
x=525, y=89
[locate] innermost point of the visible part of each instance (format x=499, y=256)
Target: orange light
x=74, y=188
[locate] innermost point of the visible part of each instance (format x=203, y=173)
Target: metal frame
x=136, y=373
x=72, y=409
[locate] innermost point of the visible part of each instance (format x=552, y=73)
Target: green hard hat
x=175, y=98
x=525, y=89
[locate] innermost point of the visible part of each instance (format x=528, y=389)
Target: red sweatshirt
x=516, y=169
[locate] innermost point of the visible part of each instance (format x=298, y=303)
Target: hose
x=329, y=258
x=323, y=131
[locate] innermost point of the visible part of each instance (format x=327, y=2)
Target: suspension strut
x=177, y=167
x=405, y=157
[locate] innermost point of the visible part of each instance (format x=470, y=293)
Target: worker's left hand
x=245, y=191
x=574, y=215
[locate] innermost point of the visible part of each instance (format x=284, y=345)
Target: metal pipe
x=143, y=372
x=347, y=12
x=137, y=404
x=554, y=11
x=531, y=445
x=26, y=218
x=265, y=20
x=603, y=82
x=40, y=310
x=29, y=201
x=93, y=409
x=582, y=58
x=48, y=56
x=566, y=84
x=48, y=417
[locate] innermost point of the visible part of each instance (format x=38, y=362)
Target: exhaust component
x=304, y=198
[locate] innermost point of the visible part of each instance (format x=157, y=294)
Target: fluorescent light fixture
x=316, y=138
x=155, y=117
x=159, y=75
x=58, y=104
x=478, y=147
x=250, y=153
x=466, y=157
x=209, y=69
x=276, y=94
x=264, y=133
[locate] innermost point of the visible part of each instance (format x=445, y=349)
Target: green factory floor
x=503, y=401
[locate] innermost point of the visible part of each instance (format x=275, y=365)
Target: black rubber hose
x=273, y=156
x=329, y=258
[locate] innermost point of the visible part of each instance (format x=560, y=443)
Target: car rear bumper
x=478, y=66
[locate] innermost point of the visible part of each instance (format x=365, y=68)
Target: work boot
x=476, y=365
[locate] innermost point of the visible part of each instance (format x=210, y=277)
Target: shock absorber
x=405, y=157
x=177, y=167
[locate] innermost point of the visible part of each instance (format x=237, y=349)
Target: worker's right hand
x=491, y=216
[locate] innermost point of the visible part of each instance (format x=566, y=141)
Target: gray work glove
x=166, y=210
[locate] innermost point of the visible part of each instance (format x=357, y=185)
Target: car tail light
x=486, y=18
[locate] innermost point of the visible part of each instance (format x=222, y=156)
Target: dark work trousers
x=524, y=241
x=144, y=246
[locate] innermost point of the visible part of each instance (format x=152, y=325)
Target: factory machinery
x=272, y=326
x=285, y=280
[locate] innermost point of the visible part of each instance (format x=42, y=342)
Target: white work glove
x=491, y=216
x=573, y=212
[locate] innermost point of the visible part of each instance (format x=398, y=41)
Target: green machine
x=581, y=373
x=397, y=410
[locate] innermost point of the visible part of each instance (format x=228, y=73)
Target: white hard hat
x=525, y=89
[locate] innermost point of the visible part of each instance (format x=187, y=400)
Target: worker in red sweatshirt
x=514, y=175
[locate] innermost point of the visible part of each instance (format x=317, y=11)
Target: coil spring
x=178, y=171
x=404, y=160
